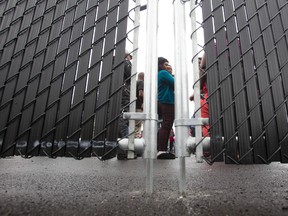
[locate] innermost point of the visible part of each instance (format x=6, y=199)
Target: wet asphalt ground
x=65, y=186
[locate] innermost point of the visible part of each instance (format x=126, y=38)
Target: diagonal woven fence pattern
x=247, y=75
x=61, y=75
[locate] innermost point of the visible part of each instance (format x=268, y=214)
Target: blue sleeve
x=168, y=78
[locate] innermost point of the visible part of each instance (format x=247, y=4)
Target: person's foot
x=165, y=155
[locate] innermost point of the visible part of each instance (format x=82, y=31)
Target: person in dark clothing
x=165, y=108
x=123, y=130
x=139, y=103
x=124, y=123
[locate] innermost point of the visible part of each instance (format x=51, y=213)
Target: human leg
x=167, y=111
x=205, y=114
x=138, y=125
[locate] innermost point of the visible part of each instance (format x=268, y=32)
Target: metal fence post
x=197, y=115
x=132, y=108
x=181, y=86
x=150, y=98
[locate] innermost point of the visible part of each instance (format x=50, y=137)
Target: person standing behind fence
x=165, y=108
x=125, y=101
x=204, y=95
x=123, y=130
x=139, y=103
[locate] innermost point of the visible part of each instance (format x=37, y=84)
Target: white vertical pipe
x=150, y=86
x=132, y=107
x=194, y=38
x=181, y=88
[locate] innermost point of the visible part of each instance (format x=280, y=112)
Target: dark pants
x=166, y=113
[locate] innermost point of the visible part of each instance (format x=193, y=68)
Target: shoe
x=121, y=156
x=206, y=154
x=165, y=155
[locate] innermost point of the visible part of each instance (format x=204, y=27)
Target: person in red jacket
x=204, y=95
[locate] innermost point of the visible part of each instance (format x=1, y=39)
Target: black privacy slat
x=73, y=52
x=35, y=29
x=3, y=36
x=81, y=9
x=90, y=18
x=37, y=122
x=69, y=17
x=29, y=52
x=14, y=29
x=15, y=65
x=278, y=85
x=7, y=53
x=31, y=4
x=69, y=78
x=77, y=29
x=258, y=142
x=39, y=9
x=27, y=18
x=56, y=29
x=89, y=96
x=264, y=80
x=3, y=7
x=11, y=4
x=62, y=116
x=7, y=18
x=64, y=40
x=71, y=3
x=266, y=75
x=74, y=129
x=90, y=102
x=60, y=9
x=3, y=75
x=103, y=90
x=226, y=87
x=5, y=124
x=9, y=91
x=42, y=41
x=254, y=111
x=23, y=78
x=51, y=4
x=25, y=123
x=213, y=86
x=10, y=134
x=108, y=59
x=20, y=8
x=15, y=112
x=51, y=52
x=22, y=38
x=48, y=18
x=242, y=124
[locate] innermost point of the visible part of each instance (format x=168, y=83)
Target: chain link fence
x=62, y=74
x=246, y=71
x=62, y=77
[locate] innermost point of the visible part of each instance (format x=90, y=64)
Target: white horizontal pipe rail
x=191, y=144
